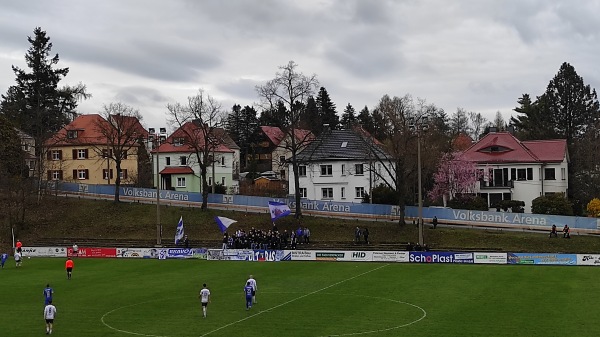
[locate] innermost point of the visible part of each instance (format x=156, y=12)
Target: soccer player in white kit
x=204, y=298
x=49, y=313
x=252, y=282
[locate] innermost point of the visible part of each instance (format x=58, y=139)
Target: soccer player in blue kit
x=248, y=292
x=48, y=292
x=3, y=259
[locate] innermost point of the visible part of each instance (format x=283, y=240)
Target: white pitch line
x=292, y=300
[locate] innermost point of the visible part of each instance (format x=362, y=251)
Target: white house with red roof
x=178, y=163
x=519, y=170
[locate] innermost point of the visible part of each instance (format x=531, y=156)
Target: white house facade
x=519, y=170
x=337, y=167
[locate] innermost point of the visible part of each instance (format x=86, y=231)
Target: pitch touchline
x=292, y=300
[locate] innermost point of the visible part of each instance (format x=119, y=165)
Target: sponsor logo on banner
x=440, y=257
x=258, y=255
x=185, y=253
x=491, y=258
x=390, y=256
x=542, y=258
x=139, y=253
x=359, y=256
x=329, y=256
x=44, y=251
x=92, y=252
x=588, y=259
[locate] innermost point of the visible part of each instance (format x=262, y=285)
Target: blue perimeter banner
x=182, y=253
x=440, y=257
x=542, y=258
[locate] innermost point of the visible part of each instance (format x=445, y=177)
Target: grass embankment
x=60, y=218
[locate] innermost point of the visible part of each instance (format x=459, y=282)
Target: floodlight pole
x=420, y=188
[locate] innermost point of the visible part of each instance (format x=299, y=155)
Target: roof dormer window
x=179, y=141
x=72, y=134
x=495, y=149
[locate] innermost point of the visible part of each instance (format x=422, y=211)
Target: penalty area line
x=292, y=300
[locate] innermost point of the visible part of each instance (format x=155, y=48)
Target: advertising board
x=440, y=257
x=542, y=258
x=256, y=255
x=490, y=258
x=588, y=259
x=44, y=251
x=92, y=252
x=139, y=253
x=390, y=256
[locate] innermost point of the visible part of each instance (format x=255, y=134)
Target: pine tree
x=365, y=119
x=326, y=109
x=348, y=117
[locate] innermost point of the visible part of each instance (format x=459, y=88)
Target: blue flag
x=278, y=210
x=224, y=223
x=179, y=231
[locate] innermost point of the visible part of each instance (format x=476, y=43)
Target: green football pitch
x=128, y=297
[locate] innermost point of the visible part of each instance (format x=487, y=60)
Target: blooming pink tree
x=454, y=176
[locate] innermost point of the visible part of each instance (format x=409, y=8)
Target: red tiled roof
x=510, y=150
x=273, y=133
x=88, y=130
x=177, y=170
x=188, y=129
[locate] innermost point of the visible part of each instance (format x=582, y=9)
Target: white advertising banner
x=588, y=260
x=490, y=258
x=390, y=256
x=357, y=256
x=299, y=255
x=140, y=253
x=44, y=251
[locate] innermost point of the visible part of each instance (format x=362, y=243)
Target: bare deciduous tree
x=197, y=123
x=293, y=89
x=121, y=131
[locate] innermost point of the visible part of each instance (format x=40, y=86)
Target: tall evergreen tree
x=274, y=115
x=365, y=119
x=348, y=117
x=459, y=122
x=242, y=124
x=36, y=104
x=327, y=110
x=310, y=118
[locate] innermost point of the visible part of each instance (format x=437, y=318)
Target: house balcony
x=496, y=184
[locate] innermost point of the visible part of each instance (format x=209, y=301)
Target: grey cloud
x=241, y=88
x=138, y=95
x=158, y=60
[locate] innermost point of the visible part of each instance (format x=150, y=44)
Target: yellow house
x=83, y=152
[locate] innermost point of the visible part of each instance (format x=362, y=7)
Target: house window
x=222, y=161
x=123, y=174
x=80, y=154
x=343, y=170
x=302, y=171
x=302, y=192
x=178, y=141
x=326, y=170
x=513, y=174
x=223, y=181
x=55, y=175
x=281, y=159
x=124, y=154
x=181, y=182
x=282, y=174
x=168, y=161
x=563, y=174
x=327, y=192
x=521, y=174
x=25, y=147
x=360, y=192
x=80, y=174
x=529, y=173
x=107, y=174
x=359, y=169
x=106, y=153
x=72, y=134
x=183, y=160
x=549, y=174
x=56, y=154
x=210, y=181
x=343, y=193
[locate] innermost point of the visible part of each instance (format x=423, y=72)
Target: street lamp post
x=419, y=125
x=156, y=142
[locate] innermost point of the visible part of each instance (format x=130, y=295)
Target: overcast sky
x=478, y=55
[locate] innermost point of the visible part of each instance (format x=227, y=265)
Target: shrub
x=593, y=208
x=555, y=204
